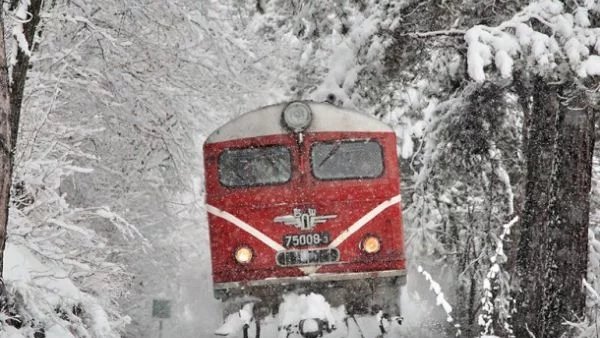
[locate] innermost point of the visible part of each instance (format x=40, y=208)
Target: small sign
x=161, y=308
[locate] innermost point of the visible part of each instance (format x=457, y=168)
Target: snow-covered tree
x=422, y=67
x=50, y=244
x=130, y=92
x=557, y=52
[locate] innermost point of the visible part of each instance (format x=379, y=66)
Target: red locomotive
x=305, y=197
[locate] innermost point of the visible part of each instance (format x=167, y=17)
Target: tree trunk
x=11, y=99
x=6, y=146
x=19, y=70
x=552, y=258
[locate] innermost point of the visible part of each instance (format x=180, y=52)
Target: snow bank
x=297, y=307
x=46, y=298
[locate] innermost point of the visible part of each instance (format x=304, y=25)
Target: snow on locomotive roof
x=267, y=121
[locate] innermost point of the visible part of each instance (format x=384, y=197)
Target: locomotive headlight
x=371, y=244
x=297, y=116
x=243, y=255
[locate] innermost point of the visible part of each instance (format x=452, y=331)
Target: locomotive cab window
x=351, y=159
x=255, y=166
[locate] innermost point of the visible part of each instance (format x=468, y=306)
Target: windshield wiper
x=332, y=152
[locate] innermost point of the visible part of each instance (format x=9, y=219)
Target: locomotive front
x=305, y=197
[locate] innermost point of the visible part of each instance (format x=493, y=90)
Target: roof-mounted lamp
x=297, y=116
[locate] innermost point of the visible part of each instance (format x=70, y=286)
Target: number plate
x=307, y=239
x=307, y=257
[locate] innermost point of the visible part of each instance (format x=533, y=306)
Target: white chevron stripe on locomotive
x=364, y=220
x=278, y=247
x=245, y=226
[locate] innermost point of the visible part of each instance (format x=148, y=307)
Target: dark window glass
x=347, y=159
x=249, y=167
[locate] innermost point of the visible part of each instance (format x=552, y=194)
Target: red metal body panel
x=348, y=199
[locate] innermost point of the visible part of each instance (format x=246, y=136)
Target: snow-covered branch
x=571, y=41
x=447, y=32
x=440, y=299
x=485, y=319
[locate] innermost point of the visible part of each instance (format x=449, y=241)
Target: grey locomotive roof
x=267, y=121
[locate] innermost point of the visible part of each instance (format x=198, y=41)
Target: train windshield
x=248, y=167
x=347, y=159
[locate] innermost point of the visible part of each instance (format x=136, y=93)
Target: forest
x=104, y=106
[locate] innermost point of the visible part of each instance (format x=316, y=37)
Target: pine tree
x=553, y=247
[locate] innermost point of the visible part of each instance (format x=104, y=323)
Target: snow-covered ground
x=46, y=294
x=416, y=312
x=297, y=307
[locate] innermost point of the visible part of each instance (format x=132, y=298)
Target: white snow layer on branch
x=593, y=277
x=502, y=174
x=127, y=229
x=571, y=41
x=87, y=234
x=591, y=290
x=440, y=300
x=486, y=318
x=78, y=169
x=22, y=16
